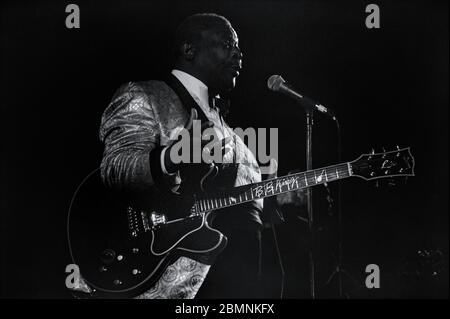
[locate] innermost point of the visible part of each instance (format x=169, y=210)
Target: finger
x=207, y=134
x=225, y=141
x=225, y=151
x=192, y=117
x=207, y=124
x=208, y=140
x=273, y=168
x=206, y=149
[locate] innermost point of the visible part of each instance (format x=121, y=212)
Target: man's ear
x=188, y=51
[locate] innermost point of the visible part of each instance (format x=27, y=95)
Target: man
x=138, y=130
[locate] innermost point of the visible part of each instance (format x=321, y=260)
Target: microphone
x=276, y=83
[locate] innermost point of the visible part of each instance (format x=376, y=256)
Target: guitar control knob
x=135, y=250
x=117, y=282
x=136, y=271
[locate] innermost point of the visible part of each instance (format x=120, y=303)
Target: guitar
x=122, y=249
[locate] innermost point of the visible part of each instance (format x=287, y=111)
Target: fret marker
x=349, y=169
x=319, y=179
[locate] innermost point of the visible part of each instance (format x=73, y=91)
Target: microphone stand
x=309, y=201
x=339, y=270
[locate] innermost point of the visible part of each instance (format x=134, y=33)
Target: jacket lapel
x=186, y=99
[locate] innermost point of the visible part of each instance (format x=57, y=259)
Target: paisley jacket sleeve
x=131, y=134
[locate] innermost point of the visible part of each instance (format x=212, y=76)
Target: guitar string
x=208, y=203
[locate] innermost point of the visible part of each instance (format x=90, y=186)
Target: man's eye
x=229, y=45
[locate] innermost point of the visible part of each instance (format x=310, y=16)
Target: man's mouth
x=235, y=69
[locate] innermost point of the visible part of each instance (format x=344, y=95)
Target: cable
x=339, y=270
x=280, y=260
x=339, y=209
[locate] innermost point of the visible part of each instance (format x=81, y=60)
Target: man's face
x=220, y=59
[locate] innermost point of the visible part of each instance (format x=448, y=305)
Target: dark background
x=389, y=87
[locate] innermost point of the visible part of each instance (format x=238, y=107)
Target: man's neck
x=198, y=75
x=196, y=88
x=192, y=71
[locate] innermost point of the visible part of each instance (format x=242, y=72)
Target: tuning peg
x=398, y=149
x=372, y=152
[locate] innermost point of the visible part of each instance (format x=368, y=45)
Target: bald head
x=196, y=27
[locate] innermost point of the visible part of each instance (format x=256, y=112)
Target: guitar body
x=121, y=249
x=123, y=244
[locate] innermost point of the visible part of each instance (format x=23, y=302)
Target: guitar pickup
x=133, y=224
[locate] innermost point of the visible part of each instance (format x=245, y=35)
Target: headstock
x=386, y=164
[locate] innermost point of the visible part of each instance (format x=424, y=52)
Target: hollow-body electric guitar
x=122, y=249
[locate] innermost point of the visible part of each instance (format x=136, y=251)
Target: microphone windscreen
x=274, y=82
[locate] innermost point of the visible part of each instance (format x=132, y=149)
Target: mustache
x=236, y=65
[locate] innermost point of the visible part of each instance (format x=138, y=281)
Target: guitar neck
x=275, y=186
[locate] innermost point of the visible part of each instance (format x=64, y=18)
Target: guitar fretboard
x=275, y=186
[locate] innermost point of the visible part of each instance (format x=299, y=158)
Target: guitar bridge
x=142, y=221
x=157, y=219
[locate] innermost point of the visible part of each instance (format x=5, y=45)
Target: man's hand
x=191, y=141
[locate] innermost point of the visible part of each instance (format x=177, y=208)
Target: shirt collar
x=195, y=87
